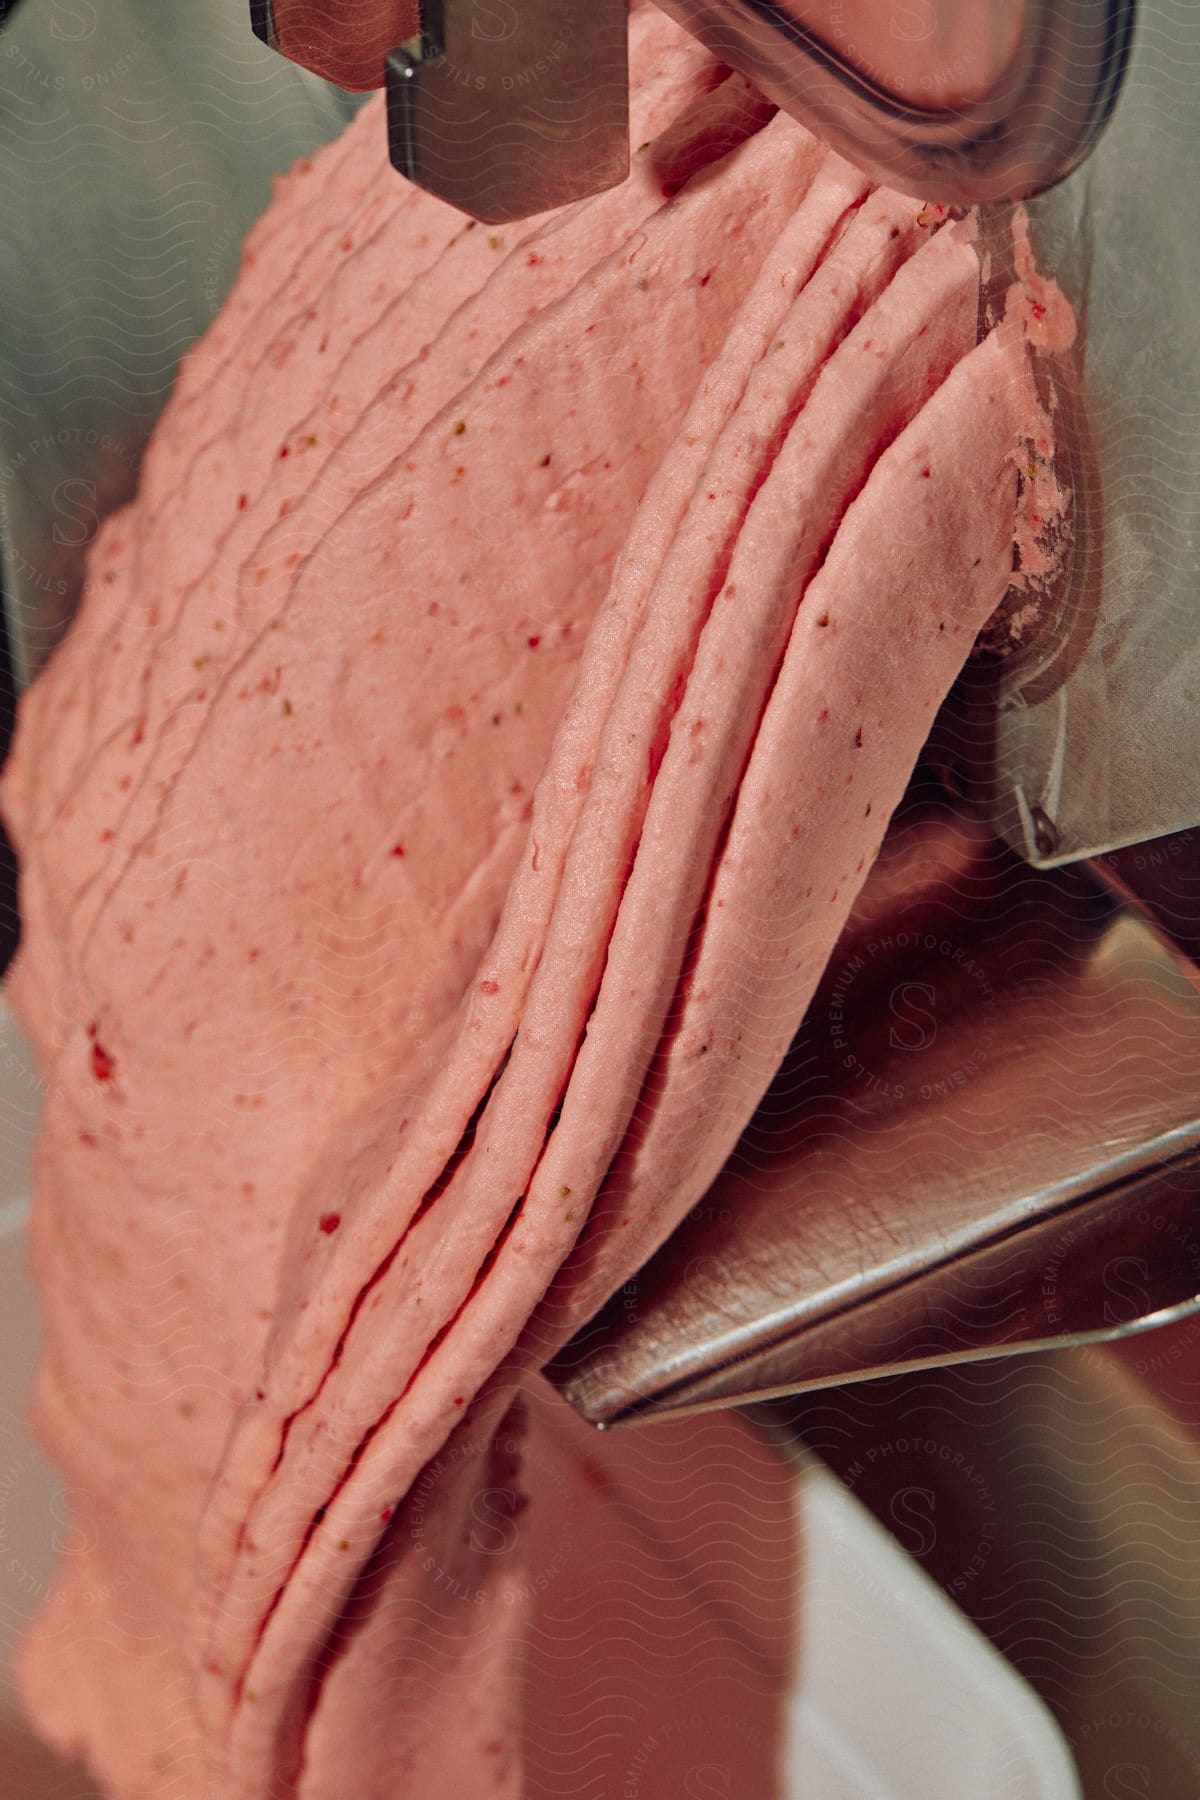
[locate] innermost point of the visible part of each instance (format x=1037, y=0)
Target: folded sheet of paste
x=474, y=736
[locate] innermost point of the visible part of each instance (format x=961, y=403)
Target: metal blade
x=987, y=1138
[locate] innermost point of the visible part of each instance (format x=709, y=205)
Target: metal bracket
x=506, y=111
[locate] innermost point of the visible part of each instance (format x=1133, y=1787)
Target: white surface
x=900, y=1698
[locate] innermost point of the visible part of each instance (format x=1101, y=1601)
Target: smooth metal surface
x=1056, y=1499
x=506, y=111
x=343, y=41
x=1098, y=718
x=1026, y=129
x=987, y=1138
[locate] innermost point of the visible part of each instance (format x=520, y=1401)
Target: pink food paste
x=473, y=739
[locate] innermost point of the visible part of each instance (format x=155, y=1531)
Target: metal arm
x=508, y=109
